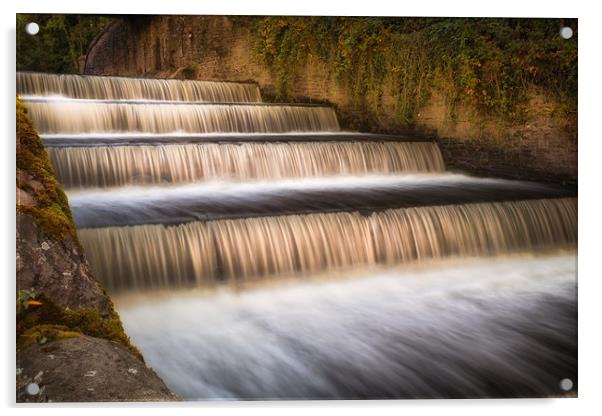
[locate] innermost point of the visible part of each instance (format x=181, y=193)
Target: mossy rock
x=51, y=220
x=51, y=211
x=44, y=334
x=87, y=321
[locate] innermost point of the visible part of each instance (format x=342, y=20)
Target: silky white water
x=468, y=328
x=50, y=86
x=110, y=166
x=256, y=251
x=201, y=253
x=81, y=116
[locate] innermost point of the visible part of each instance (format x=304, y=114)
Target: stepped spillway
x=77, y=116
x=177, y=185
x=102, y=166
x=40, y=86
x=177, y=141
x=198, y=253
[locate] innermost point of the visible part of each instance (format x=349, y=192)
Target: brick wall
x=214, y=48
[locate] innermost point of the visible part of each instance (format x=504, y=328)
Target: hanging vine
x=488, y=64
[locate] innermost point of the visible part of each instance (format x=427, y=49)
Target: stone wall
x=216, y=48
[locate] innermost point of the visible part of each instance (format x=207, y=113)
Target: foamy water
x=499, y=328
x=40, y=86
x=247, y=246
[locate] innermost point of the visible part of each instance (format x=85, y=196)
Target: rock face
x=49, y=257
x=85, y=369
x=59, y=300
x=217, y=48
x=56, y=269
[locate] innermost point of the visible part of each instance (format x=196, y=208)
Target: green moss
x=51, y=213
x=51, y=220
x=43, y=334
x=87, y=321
x=490, y=65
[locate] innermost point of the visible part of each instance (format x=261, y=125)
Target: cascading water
x=102, y=166
x=196, y=253
x=116, y=88
x=177, y=185
x=81, y=116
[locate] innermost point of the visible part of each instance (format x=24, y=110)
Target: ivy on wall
x=489, y=64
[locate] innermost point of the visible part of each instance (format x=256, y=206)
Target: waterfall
x=176, y=185
x=198, y=253
x=206, y=201
x=120, y=88
x=125, y=165
x=183, y=133
x=77, y=116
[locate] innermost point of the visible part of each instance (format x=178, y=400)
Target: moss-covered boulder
x=49, y=257
x=71, y=345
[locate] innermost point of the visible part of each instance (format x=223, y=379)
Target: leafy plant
x=488, y=64
x=62, y=40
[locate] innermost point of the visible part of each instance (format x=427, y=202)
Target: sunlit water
x=41, y=86
x=110, y=166
x=457, y=329
x=247, y=246
x=202, y=252
x=173, y=204
x=80, y=116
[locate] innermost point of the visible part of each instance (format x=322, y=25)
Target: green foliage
x=284, y=43
x=489, y=64
x=62, y=39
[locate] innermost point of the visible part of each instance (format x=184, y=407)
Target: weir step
x=367, y=195
x=84, y=140
x=178, y=183
x=203, y=253
x=99, y=87
x=137, y=165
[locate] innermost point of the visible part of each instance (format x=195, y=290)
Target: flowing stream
x=257, y=251
x=495, y=328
